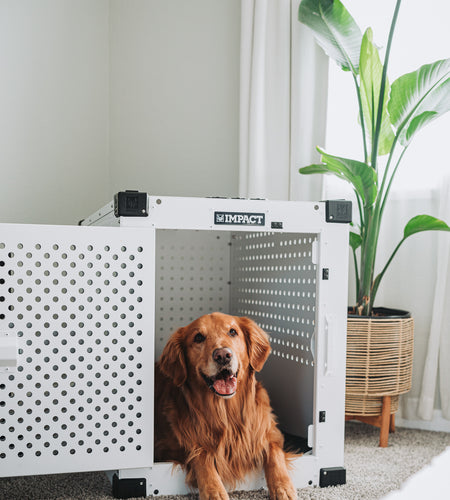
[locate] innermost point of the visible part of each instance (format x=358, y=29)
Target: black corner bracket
x=332, y=476
x=338, y=211
x=130, y=204
x=129, y=488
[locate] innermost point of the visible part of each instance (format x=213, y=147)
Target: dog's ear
x=257, y=343
x=172, y=362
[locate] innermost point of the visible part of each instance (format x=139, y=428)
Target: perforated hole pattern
x=77, y=309
x=274, y=282
x=192, y=278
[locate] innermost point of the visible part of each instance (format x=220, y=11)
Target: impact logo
x=239, y=219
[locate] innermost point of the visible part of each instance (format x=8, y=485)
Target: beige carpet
x=371, y=471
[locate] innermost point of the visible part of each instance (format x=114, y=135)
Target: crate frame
x=325, y=434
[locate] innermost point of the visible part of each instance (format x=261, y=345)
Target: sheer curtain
x=283, y=94
x=437, y=362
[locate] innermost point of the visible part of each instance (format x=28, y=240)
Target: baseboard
x=438, y=423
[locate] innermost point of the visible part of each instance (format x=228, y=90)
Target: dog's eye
x=232, y=333
x=199, y=338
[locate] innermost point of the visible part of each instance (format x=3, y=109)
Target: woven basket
x=379, y=362
x=369, y=406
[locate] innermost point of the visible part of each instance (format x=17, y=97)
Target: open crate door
x=76, y=349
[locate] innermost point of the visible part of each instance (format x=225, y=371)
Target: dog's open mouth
x=223, y=384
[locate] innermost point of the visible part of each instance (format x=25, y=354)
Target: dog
x=212, y=417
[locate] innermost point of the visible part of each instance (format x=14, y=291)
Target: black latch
x=322, y=416
x=129, y=487
x=332, y=476
x=339, y=211
x=130, y=204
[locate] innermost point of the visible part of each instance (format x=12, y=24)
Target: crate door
x=76, y=350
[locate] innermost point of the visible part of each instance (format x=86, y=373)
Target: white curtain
x=437, y=362
x=283, y=93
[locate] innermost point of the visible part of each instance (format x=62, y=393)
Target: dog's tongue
x=225, y=386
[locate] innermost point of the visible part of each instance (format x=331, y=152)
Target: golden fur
x=213, y=417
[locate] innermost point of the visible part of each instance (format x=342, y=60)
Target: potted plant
x=389, y=117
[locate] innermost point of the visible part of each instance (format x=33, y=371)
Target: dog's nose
x=222, y=356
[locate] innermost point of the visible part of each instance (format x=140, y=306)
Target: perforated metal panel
x=274, y=283
x=79, y=304
x=192, y=278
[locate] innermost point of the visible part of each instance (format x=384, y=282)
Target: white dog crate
x=86, y=311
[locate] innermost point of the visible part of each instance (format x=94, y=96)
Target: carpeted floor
x=371, y=471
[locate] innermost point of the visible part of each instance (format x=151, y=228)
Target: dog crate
x=86, y=311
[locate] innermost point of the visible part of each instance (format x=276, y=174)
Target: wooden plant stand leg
x=392, y=423
x=385, y=423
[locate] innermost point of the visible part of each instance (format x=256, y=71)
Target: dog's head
x=215, y=352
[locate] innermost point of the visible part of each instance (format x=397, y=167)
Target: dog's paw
x=283, y=492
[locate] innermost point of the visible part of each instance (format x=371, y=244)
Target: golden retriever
x=213, y=417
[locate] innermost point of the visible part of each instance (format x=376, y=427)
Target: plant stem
x=376, y=136
x=380, y=276
x=368, y=254
x=355, y=262
x=385, y=175
x=391, y=179
x=360, y=210
x=370, y=242
x=361, y=118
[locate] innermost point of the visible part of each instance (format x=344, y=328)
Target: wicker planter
x=379, y=363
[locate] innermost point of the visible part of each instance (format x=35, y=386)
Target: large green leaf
x=424, y=223
x=335, y=31
x=359, y=174
x=418, y=122
x=371, y=70
x=416, y=225
x=419, y=97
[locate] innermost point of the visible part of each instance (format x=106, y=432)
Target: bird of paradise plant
x=389, y=116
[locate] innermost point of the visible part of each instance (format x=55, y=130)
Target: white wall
x=102, y=95
x=175, y=96
x=53, y=109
